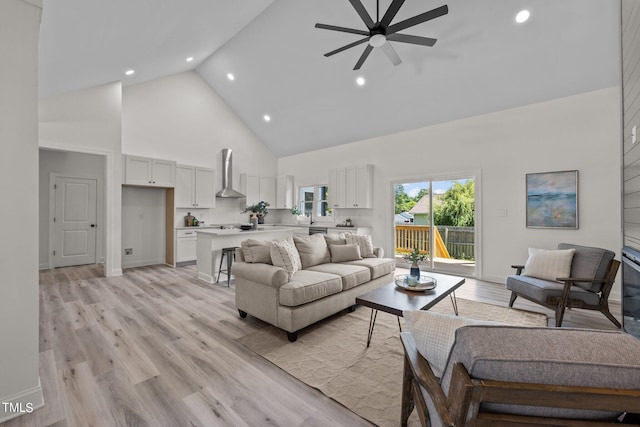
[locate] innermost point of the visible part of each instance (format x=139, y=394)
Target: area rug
x=333, y=357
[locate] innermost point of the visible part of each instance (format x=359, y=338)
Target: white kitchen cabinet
x=258, y=188
x=337, y=188
x=186, y=245
x=359, y=187
x=195, y=187
x=148, y=172
x=284, y=192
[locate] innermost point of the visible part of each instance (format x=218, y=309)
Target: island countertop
x=211, y=241
x=237, y=231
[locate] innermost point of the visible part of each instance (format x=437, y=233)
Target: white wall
x=181, y=118
x=70, y=164
x=89, y=121
x=580, y=132
x=19, y=381
x=143, y=226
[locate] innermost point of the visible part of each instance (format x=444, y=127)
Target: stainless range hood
x=227, y=177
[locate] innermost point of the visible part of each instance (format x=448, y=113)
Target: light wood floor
x=156, y=347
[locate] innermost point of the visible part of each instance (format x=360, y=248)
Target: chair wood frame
x=462, y=405
x=559, y=304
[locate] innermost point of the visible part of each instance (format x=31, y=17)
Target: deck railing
x=451, y=242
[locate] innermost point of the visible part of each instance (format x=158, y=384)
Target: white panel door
x=75, y=221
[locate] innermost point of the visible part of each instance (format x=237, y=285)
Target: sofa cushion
x=306, y=286
x=543, y=289
x=285, y=255
x=313, y=250
x=548, y=264
x=351, y=275
x=434, y=334
x=256, y=251
x=563, y=356
x=589, y=262
x=378, y=266
x=365, y=243
x=336, y=239
x=343, y=253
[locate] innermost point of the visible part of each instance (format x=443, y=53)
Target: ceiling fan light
x=377, y=40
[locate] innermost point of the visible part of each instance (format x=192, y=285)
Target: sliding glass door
x=437, y=217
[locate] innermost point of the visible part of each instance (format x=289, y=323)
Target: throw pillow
x=365, y=243
x=285, y=255
x=335, y=239
x=313, y=250
x=256, y=251
x=435, y=333
x=548, y=264
x=343, y=253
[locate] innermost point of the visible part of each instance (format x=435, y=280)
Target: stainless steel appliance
x=317, y=230
x=631, y=291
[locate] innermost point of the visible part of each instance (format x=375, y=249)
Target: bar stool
x=230, y=253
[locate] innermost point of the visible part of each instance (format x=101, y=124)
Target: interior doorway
x=437, y=217
x=74, y=210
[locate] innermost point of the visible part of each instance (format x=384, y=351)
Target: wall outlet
x=128, y=251
x=502, y=212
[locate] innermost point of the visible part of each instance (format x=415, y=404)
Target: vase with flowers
x=258, y=210
x=415, y=256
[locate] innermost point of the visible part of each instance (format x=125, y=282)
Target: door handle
x=93, y=225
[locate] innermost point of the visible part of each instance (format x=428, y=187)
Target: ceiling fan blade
x=349, y=46
x=364, y=15
x=418, y=19
x=391, y=12
x=342, y=29
x=364, y=56
x=405, y=38
x=391, y=53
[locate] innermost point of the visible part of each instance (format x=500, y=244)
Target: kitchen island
x=211, y=241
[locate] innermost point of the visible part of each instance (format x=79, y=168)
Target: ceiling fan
x=380, y=32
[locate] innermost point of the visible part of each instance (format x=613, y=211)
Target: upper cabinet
x=258, y=188
x=195, y=187
x=284, y=192
x=149, y=172
x=351, y=187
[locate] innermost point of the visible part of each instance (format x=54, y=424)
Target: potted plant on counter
x=259, y=210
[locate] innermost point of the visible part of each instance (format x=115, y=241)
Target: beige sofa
x=331, y=271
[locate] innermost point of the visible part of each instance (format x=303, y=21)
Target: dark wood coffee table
x=394, y=300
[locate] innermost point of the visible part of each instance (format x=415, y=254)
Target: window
x=314, y=202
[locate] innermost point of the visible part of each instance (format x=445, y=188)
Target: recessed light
x=522, y=16
x=267, y=118
x=130, y=72
x=231, y=76
x=191, y=58
x=360, y=81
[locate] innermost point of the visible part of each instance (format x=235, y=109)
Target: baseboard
x=44, y=266
x=142, y=263
x=115, y=272
x=206, y=277
x=21, y=403
x=183, y=263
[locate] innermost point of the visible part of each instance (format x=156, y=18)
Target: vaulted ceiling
x=483, y=61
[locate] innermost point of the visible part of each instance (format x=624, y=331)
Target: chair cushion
x=351, y=275
x=365, y=243
x=343, y=253
x=313, y=250
x=306, y=286
x=548, y=264
x=378, y=266
x=576, y=357
x=434, y=334
x=540, y=290
x=589, y=262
